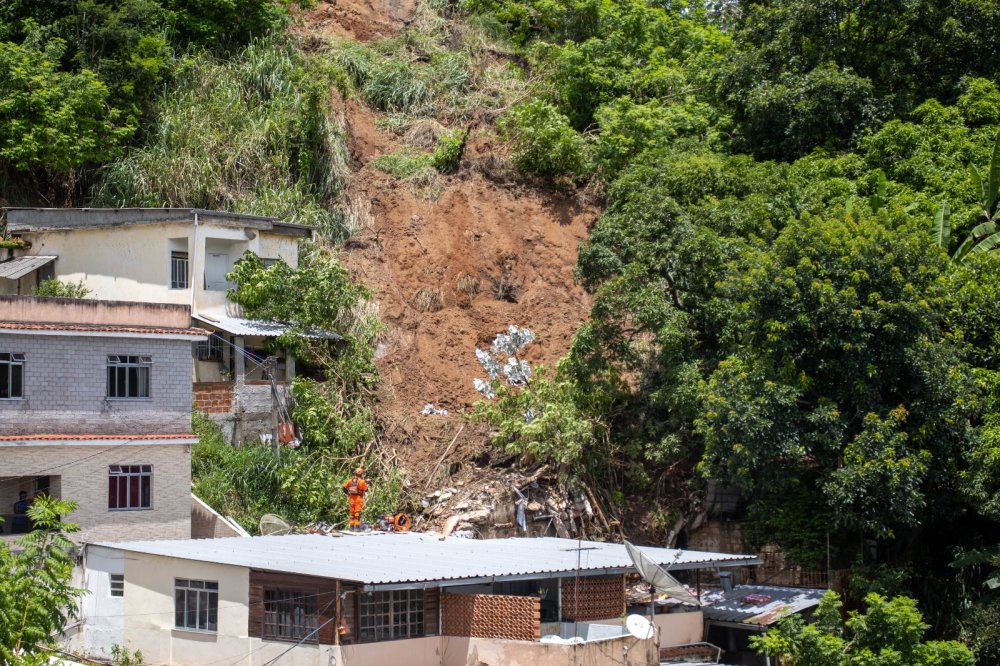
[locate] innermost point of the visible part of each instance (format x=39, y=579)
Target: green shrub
x=403, y=164
x=544, y=143
x=448, y=150
x=54, y=288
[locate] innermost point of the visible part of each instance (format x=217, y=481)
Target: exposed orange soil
x=475, y=230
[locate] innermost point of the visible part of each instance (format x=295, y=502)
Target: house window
x=130, y=487
x=128, y=376
x=211, y=349
x=290, y=615
x=386, y=616
x=196, y=604
x=11, y=376
x=118, y=585
x=179, y=270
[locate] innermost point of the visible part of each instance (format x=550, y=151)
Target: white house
x=167, y=255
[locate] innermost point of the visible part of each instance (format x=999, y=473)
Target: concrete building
x=380, y=598
x=95, y=406
x=179, y=256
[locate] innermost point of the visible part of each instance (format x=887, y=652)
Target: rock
x=462, y=506
x=534, y=506
x=445, y=496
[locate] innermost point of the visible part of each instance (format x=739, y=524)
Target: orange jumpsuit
x=356, y=489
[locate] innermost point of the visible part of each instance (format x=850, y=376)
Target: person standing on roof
x=355, y=489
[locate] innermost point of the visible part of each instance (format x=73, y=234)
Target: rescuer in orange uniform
x=355, y=489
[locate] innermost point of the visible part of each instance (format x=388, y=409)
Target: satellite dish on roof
x=639, y=627
x=658, y=577
x=272, y=525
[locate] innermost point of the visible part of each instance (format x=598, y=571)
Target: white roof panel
x=256, y=327
x=16, y=269
x=385, y=559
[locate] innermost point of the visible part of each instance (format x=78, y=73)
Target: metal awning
x=15, y=269
x=255, y=327
x=757, y=605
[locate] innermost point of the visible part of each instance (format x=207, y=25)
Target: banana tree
x=986, y=235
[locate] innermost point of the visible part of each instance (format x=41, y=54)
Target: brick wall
x=65, y=387
x=491, y=616
x=213, y=397
x=80, y=473
x=593, y=598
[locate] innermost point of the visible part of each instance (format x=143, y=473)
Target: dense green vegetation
x=776, y=305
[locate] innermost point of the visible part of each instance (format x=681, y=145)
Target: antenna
x=658, y=578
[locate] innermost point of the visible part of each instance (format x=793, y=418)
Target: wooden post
x=338, y=619
x=271, y=368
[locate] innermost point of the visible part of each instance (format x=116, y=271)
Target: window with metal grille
x=290, y=616
x=179, y=270
x=196, y=604
x=128, y=376
x=11, y=376
x=118, y=585
x=211, y=349
x=130, y=487
x=386, y=616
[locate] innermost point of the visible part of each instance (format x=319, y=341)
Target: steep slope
x=451, y=263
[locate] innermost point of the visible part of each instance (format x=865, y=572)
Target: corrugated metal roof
x=760, y=605
x=16, y=269
x=384, y=559
x=251, y=327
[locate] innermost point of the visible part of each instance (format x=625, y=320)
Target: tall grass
x=251, y=134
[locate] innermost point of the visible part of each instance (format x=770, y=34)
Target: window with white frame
x=386, y=616
x=128, y=376
x=130, y=487
x=196, y=604
x=11, y=376
x=117, y=585
x=211, y=349
x=179, y=268
x=290, y=615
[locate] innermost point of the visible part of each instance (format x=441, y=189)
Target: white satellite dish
x=658, y=578
x=639, y=627
x=272, y=525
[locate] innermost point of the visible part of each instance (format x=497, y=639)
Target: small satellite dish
x=272, y=525
x=639, y=627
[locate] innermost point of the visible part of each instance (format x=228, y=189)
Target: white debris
x=431, y=410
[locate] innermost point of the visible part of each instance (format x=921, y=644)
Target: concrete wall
x=86, y=311
x=132, y=262
x=206, y=523
x=103, y=615
x=680, y=628
x=494, y=652
x=80, y=473
x=65, y=387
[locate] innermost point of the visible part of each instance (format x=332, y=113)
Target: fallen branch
x=430, y=477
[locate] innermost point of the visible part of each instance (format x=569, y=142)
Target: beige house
x=169, y=255
x=384, y=598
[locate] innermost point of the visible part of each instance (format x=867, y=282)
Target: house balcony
x=15, y=521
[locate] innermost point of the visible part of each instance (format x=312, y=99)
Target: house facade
x=381, y=598
x=178, y=256
x=95, y=406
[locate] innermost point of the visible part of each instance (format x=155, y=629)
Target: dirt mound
x=361, y=20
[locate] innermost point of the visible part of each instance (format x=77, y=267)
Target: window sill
x=142, y=508
x=311, y=641
x=110, y=399
x=197, y=632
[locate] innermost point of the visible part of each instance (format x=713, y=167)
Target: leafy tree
x=544, y=143
x=55, y=120
x=890, y=632
x=36, y=598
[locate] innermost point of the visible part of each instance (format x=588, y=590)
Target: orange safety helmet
x=359, y=471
